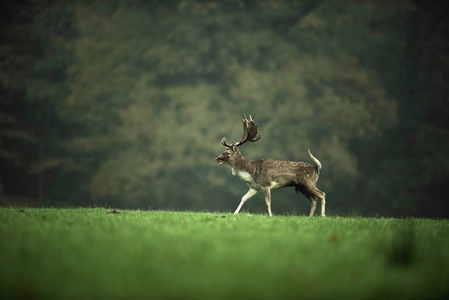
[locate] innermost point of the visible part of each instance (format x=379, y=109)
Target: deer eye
x=228, y=154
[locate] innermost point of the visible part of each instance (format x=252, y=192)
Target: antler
x=249, y=132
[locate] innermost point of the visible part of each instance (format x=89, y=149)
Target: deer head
x=250, y=134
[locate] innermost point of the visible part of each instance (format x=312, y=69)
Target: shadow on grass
x=401, y=250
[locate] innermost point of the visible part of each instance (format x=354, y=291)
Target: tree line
x=124, y=104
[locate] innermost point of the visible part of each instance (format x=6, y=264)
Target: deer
x=267, y=174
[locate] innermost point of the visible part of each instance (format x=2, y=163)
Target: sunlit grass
x=98, y=254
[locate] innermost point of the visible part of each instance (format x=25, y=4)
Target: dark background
x=123, y=103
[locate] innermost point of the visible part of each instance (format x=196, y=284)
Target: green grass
x=93, y=254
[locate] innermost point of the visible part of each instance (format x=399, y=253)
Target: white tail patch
x=317, y=162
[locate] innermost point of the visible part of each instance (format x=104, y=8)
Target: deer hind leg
x=322, y=196
x=248, y=195
x=323, y=204
x=267, y=193
x=310, y=196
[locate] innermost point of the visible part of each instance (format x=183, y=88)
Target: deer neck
x=241, y=165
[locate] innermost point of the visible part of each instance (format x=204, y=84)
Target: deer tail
x=316, y=161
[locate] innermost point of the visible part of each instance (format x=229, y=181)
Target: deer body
x=267, y=174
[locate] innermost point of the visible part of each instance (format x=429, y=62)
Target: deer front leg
x=267, y=193
x=248, y=195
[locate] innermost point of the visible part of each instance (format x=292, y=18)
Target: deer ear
x=234, y=148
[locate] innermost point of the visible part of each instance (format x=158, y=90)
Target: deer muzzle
x=220, y=160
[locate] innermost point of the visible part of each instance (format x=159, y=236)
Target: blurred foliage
x=124, y=103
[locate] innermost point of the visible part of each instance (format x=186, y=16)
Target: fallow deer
x=267, y=174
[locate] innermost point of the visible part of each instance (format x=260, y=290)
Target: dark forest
x=123, y=103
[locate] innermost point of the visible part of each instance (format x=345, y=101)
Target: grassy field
x=99, y=254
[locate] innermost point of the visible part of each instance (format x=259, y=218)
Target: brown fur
x=267, y=174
